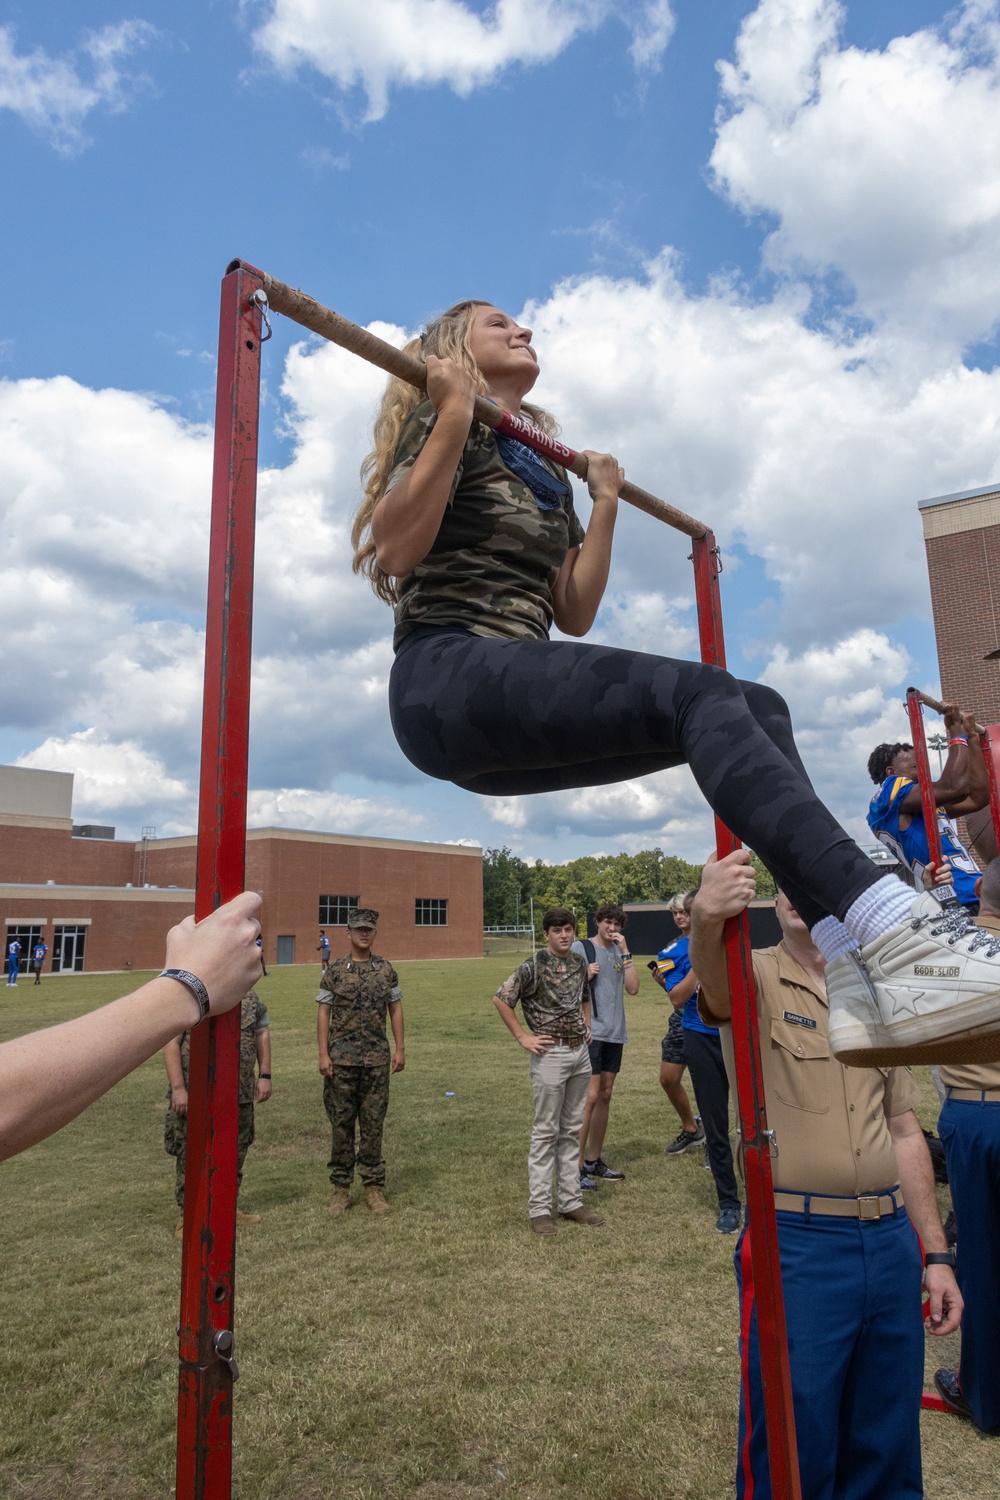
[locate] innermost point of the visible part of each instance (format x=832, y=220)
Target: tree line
x=510, y=884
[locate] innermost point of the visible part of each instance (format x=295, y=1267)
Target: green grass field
x=439, y=1352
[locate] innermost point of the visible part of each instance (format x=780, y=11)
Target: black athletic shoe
x=685, y=1141
x=600, y=1168
x=951, y=1393
x=728, y=1221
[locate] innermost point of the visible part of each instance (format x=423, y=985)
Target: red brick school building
x=102, y=903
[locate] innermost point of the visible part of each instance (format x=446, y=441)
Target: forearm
x=409, y=517
x=577, y=600
x=173, y=1065
x=916, y=1178
x=49, y=1077
x=708, y=957
x=396, y=1022
x=263, y=1040
x=322, y=1029
x=509, y=1018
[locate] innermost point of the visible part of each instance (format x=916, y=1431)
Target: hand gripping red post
x=755, y=1137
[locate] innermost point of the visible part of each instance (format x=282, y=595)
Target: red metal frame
x=989, y=742
x=204, y=1406
x=782, y=1450
x=915, y=710
x=204, y=1428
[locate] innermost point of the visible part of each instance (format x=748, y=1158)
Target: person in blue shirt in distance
x=896, y=813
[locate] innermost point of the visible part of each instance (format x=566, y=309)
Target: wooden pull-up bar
x=311, y=314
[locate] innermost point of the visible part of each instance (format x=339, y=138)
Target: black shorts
x=672, y=1046
x=606, y=1057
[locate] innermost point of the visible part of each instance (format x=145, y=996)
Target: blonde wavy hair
x=448, y=338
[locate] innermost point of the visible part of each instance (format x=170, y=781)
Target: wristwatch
x=940, y=1258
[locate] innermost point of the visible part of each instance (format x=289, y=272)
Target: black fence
x=650, y=926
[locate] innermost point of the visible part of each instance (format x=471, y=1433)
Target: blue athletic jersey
x=909, y=845
x=672, y=964
x=38, y=952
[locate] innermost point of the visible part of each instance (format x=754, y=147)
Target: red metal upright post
x=915, y=710
x=989, y=742
x=207, y=1368
x=755, y=1138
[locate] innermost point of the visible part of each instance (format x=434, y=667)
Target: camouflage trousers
x=357, y=1096
x=175, y=1144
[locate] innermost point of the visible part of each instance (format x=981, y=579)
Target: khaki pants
x=560, y=1078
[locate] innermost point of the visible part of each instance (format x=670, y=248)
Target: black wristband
x=264, y=1075
x=190, y=982
x=940, y=1258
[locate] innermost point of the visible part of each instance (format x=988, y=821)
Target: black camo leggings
x=505, y=718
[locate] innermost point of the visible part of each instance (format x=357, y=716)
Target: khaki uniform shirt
x=830, y=1122
x=359, y=995
x=253, y=1019
x=975, y=1075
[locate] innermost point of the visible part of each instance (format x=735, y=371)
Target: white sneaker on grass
x=927, y=991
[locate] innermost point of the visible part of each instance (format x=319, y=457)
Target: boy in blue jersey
x=672, y=1058
x=705, y=1063
x=896, y=814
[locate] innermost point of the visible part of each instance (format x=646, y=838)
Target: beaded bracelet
x=192, y=983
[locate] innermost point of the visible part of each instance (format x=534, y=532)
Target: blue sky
x=759, y=246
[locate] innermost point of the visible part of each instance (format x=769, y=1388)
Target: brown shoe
x=340, y=1202
x=583, y=1216
x=542, y=1224
x=179, y=1231
x=242, y=1218
x=375, y=1198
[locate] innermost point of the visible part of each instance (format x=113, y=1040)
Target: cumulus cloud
x=407, y=43
x=55, y=95
x=881, y=167
x=109, y=776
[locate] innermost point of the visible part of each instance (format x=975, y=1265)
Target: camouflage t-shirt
x=497, y=554
x=253, y=1018
x=552, y=992
x=358, y=995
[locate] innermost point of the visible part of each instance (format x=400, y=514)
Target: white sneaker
x=927, y=991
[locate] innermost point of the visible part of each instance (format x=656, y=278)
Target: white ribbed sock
x=883, y=905
x=831, y=938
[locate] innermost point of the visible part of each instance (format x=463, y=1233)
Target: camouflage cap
x=362, y=916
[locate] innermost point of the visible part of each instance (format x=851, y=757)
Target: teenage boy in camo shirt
x=554, y=992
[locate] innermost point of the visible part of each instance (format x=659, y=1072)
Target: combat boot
x=375, y=1198
x=340, y=1202
x=242, y=1218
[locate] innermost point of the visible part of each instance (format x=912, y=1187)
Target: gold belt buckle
x=868, y=1207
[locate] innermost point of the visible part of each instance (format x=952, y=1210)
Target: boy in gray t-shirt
x=612, y=976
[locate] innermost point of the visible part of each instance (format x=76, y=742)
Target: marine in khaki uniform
x=849, y=1154
x=354, y=1059
x=255, y=1050
x=970, y=1130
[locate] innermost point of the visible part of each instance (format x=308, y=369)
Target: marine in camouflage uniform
x=253, y=1021
x=356, y=994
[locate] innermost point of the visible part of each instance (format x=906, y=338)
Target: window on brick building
x=431, y=912
x=333, y=909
